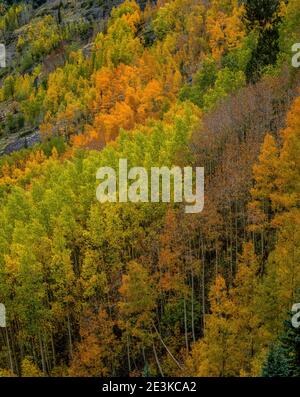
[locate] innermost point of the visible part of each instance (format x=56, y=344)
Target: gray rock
x=22, y=143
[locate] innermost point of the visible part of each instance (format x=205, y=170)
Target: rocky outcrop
x=70, y=10
x=18, y=143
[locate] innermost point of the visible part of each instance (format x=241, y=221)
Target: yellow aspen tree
x=224, y=26
x=213, y=354
x=260, y=207
x=250, y=335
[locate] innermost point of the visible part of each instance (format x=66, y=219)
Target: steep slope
x=81, y=19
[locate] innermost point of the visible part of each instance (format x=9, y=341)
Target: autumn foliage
x=144, y=289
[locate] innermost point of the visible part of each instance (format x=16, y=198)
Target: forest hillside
x=144, y=289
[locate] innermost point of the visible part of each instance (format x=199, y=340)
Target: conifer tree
x=276, y=364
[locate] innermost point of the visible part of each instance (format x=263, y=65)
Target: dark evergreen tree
x=263, y=16
x=290, y=342
x=265, y=54
x=276, y=364
x=284, y=358
x=260, y=12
